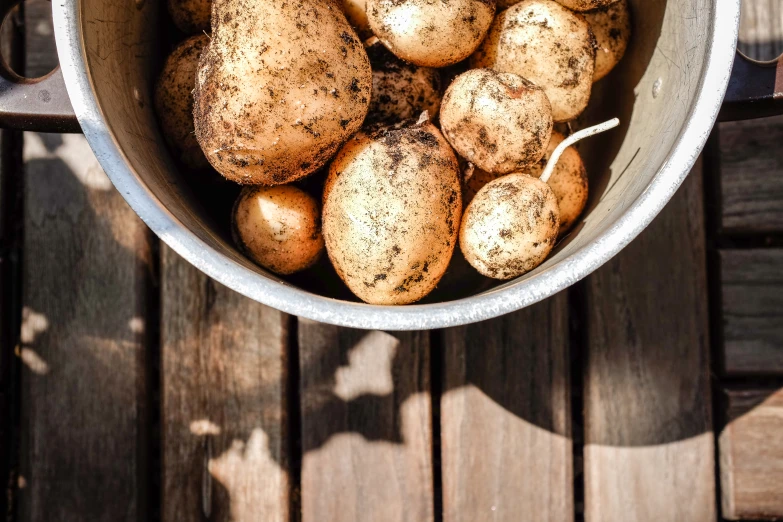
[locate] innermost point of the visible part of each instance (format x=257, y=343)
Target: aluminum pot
x=667, y=91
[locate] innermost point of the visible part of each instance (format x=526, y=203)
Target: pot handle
x=755, y=89
x=39, y=104
x=34, y=104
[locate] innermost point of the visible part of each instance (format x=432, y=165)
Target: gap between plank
x=577, y=306
x=294, y=423
x=436, y=392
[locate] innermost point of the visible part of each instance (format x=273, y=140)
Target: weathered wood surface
x=761, y=29
x=85, y=382
x=752, y=307
x=751, y=455
x=224, y=382
x=366, y=421
x=506, y=448
x=649, y=453
x=751, y=167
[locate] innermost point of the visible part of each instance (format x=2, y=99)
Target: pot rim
x=487, y=305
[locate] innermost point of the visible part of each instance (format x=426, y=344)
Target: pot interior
x=652, y=91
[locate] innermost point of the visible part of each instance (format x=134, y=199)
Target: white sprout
x=584, y=133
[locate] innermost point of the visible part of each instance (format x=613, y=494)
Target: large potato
x=190, y=16
x=280, y=87
x=547, y=44
x=500, y=122
x=510, y=226
x=400, y=90
x=431, y=33
x=612, y=28
x=174, y=101
x=391, y=212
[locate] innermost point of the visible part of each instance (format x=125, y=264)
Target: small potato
x=586, y=5
x=510, y=226
x=473, y=180
x=612, y=28
x=391, y=212
x=500, y=122
x=431, y=34
x=191, y=16
x=548, y=45
x=280, y=87
x=174, y=101
x=568, y=182
x=278, y=227
x=356, y=13
x=400, y=90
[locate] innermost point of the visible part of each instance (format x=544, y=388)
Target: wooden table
x=136, y=388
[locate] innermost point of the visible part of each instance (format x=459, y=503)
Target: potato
x=585, y=5
x=500, y=122
x=548, y=45
x=473, y=180
x=510, y=226
x=191, y=16
x=391, y=212
x=431, y=34
x=280, y=87
x=278, y=227
x=174, y=101
x=612, y=28
x=568, y=182
x=400, y=90
x=356, y=13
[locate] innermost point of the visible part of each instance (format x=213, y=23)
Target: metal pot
x=667, y=92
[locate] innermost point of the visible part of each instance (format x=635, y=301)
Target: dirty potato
x=190, y=16
x=548, y=45
x=391, y=212
x=278, y=227
x=586, y=5
x=510, y=226
x=612, y=28
x=174, y=101
x=400, y=90
x=568, y=181
x=500, y=122
x=431, y=34
x=280, y=87
x=356, y=13
x=473, y=180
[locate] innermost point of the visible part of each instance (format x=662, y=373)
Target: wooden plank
x=506, y=418
x=751, y=455
x=85, y=381
x=366, y=425
x=224, y=399
x=751, y=166
x=752, y=307
x=11, y=219
x=761, y=29
x=85, y=386
x=648, y=427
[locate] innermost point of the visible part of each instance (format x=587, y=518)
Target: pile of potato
x=283, y=89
